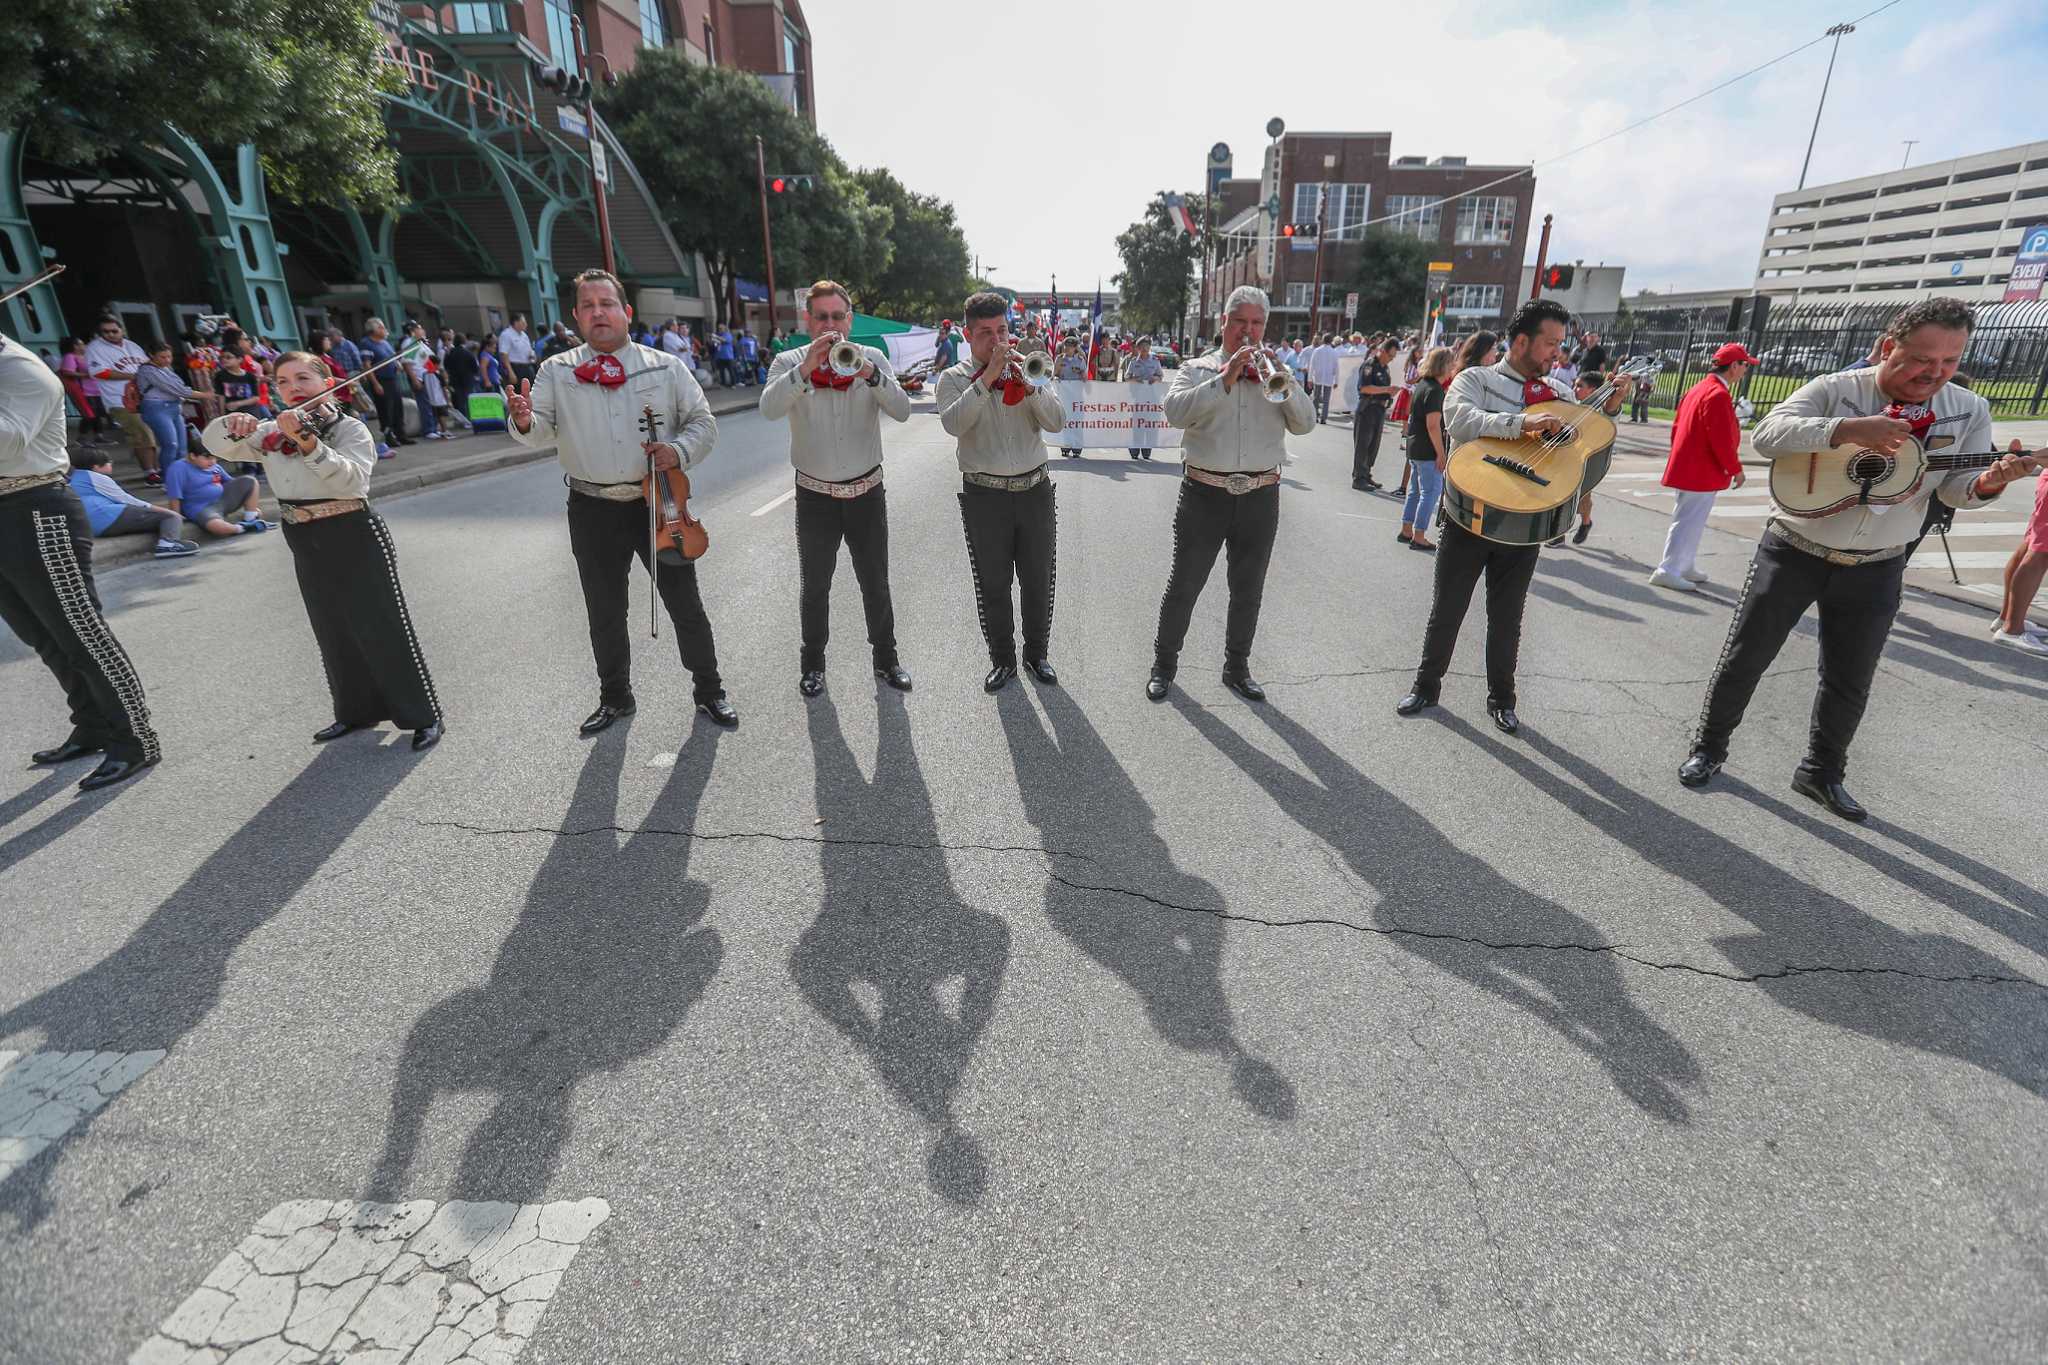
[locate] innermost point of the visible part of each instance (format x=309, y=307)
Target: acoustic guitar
x=1824, y=482
x=1525, y=490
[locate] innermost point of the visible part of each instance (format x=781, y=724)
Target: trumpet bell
x=1037, y=369
x=846, y=360
x=1274, y=381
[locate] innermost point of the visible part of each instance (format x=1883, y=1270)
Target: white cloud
x=1050, y=125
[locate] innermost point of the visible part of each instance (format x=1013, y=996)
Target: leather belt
x=1846, y=558
x=1236, y=484
x=21, y=483
x=610, y=492
x=1008, y=483
x=852, y=488
x=299, y=513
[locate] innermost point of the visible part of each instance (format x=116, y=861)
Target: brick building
x=1356, y=179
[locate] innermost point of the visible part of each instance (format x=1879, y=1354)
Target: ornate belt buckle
x=1843, y=558
x=1240, y=483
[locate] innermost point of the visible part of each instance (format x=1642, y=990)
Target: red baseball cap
x=1734, y=354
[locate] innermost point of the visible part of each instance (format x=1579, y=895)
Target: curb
x=125, y=550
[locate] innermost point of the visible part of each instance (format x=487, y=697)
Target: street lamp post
x=767, y=238
x=1836, y=32
x=584, y=57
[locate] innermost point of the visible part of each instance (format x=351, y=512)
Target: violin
x=673, y=535
x=316, y=420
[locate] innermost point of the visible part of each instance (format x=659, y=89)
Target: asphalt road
x=1049, y=1026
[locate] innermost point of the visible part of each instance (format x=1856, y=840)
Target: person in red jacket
x=1706, y=441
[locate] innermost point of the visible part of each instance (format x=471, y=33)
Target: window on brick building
x=654, y=23
x=1486, y=219
x=1417, y=215
x=1474, y=299
x=561, y=32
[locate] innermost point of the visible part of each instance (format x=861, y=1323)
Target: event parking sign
x=2029, y=267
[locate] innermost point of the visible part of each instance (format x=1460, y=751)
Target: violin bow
x=338, y=385
x=650, y=423
x=52, y=273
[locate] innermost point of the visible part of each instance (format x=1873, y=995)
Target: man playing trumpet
x=835, y=395
x=999, y=417
x=1236, y=405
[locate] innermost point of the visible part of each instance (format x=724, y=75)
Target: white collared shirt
x=596, y=430
x=339, y=467
x=996, y=437
x=834, y=434
x=515, y=346
x=1806, y=422
x=31, y=415
x=1235, y=431
x=123, y=356
x=1322, y=365
x=1486, y=400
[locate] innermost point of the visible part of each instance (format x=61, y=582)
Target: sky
x=1050, y=124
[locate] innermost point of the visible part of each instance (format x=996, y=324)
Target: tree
x=1391, y=276
x=690, y=129
x=297, y=78
x=1159, y=264
x=927, y=275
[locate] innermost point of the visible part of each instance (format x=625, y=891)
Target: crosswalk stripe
x=321, y=1279
x=1965, y=559
x=44, y=1094
x=765, y=508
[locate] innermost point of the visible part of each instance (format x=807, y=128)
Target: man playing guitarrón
x=1487, y=400
x=1851, y=562
x=588, y=402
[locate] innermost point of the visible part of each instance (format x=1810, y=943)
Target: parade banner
x=1115, y=416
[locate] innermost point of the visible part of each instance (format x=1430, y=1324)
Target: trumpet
x=1276, y=382
x=1036, y=369
x=846, y=359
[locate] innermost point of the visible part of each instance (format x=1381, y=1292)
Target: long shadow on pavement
x=1801, y=926
x=160, y=984
x=608, y=956
x=1080, y=797
x=1445, y=905
x=893, y=923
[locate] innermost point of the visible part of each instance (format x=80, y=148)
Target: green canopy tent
x=867, y=331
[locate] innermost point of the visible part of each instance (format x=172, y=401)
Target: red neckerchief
x=1014, y=391
x=823, y=378
x=1919, y=415
x=604, y=370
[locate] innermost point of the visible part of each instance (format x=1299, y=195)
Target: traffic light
x=565, y=83
x=783, y=184
x=1558, y=277
x=1307, y=230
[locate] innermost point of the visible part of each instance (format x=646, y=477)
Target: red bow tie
x=603, y=369
x=1014, y=391
x=826, y=379
x=1918, y=415
x=1537, y=391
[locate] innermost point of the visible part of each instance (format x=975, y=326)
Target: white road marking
x=1965, y=559
x=43, y=1094
x=662, y=761
x=765, y=508
x=321, y=1279
x=1636, y=474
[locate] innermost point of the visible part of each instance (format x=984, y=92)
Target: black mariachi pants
x=605, y=537
x=348, y=577
x=822, y=521
x=1460, y=560
x=1012, y=536
x=1366, y=425
x=48, y=599
x=1206, y=520
x=1857, y=604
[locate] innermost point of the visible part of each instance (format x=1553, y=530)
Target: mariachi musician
x=835, y=442
x=1487, y=400
x=318, y=460
x=1850, y=563
x=46, y=588
x=588, y=402
x=1230, y=485
x=1006, y=497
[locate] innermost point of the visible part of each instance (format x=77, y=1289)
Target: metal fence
x=2007, y=360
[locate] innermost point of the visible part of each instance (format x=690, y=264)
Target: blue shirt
x=949, y=350
x=749, y=348
x=377, y=352
x=194, y=487
x=345, y=351
x=103, y=498
x=724, y=351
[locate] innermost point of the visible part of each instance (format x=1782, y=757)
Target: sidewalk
x=423, y=464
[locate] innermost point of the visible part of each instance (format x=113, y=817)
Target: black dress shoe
x=426, y=737
x=1504, y=718
x=1698, y=769
x=65, y=752
x=334, y=731
x=112, y=771
x=1414, y=704
x=1244, y=685
x=812, y=682
x=1043, y=670
x=1157, y=686
x=998, y=677
x=896, y=675
x=720, y=710
x=1833, y=795
x=602, y=718
x=1585, y=529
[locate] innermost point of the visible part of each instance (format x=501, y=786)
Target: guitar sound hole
x=1869, y=467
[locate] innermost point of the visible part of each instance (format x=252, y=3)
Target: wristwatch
x=874, y=375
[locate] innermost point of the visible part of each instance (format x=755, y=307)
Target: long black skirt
x=348, y=576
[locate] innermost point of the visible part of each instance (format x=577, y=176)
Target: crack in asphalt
x=1785, y=972
x=726, y=836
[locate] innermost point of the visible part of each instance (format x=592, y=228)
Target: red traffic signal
x=778, y=184
x=1557, y=277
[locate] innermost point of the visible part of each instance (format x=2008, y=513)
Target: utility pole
x=1542, y=258
x=767, y=238
x=584, y=57
x=1315, y=298
x=1836, y=33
